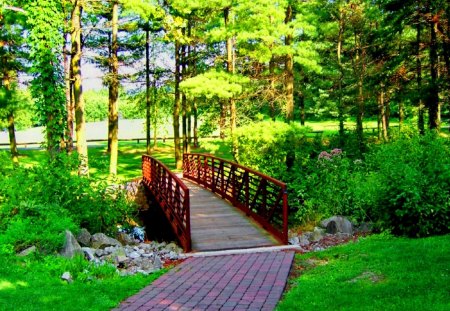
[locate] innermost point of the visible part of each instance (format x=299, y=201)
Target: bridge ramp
x=217, y=225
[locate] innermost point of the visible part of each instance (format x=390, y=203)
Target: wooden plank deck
x=217, y=225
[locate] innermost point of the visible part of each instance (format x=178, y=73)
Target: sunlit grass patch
x=375, y=273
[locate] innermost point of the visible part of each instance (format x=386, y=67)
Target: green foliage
x=270, y=146
x=211, y=84
x=412, y=177
x=41, y=201
x=45, y=20
x=403, y=186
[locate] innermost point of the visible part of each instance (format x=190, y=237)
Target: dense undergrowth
x=38, y=203
x=402, y=186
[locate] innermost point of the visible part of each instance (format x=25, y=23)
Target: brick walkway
x=230, y=282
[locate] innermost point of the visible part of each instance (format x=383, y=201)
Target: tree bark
x=289, y=70
x=433, y=95
x=183, y=97
x=383, y=113
x=420, y=104
x=80, y=127
x=69, y=98
x=12, y=138
x=176, y=109
x=147, y=89
x=113, y=117
x=301, y=105
x=341, y=78
x=232, y=102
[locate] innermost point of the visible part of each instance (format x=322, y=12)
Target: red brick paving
x=229, y=282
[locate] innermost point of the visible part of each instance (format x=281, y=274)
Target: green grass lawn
x=375, y=273
x=130, y=154
x=35, y=284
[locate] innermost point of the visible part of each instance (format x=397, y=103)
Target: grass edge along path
x=378, y=272
x=36, y=284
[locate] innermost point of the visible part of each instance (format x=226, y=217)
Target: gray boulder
x=317, y=234
x=67, y=277
x=71, y=246
x=101, y=240
x=27, y=251
x=84, y=238
x=337, y=224
x=88, y=253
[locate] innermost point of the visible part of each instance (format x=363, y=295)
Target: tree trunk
x=301, y=105
x=155, y=113
x=113, y=117
x=69, y=98
x=183, y=97
x=272, y=95
x=12, y=138
x=80, y=127
x=232, y=102
x=341, y=78
x=420, y=105
x=147, y=88
x=433, y=96
x=195, y=112
x=383, y=112
x=289, y=70
x=176, y=109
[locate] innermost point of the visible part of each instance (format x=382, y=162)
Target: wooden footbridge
x=218, y=204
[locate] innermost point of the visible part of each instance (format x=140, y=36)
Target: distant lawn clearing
x=375, y=273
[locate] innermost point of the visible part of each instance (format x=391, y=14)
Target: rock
x=157, y=263
x=317, y=234
x=332, y=227
x=365, y=227
x=89, y=253
x=125, y=239
x=343, y=225
x=67, y=277
x=99, y=252
x=84, y=238
x=303, y=240
x=294, y=241
x=27, y=251
x=121, y=259
x=173, y=256
x=173, y=247
x=71, y=246
x=101, y=240
x=134, y=255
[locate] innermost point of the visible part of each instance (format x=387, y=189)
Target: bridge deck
x=217, y=225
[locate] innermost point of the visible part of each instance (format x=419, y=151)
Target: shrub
x=413, y=185
x=38, y=203
x=271, y=147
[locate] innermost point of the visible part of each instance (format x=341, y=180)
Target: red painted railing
x=172, y=195
x=259, y=196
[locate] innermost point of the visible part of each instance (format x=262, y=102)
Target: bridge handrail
x=172, y=196
x=259, y=196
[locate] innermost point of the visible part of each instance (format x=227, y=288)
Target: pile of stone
x=129, y=255
x=332, y=231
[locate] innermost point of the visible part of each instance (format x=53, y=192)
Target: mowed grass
x=130, y=156
x=374, y=273
x=36, y=284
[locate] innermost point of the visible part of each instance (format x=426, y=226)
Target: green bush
x=271, y=147
x=38, y=203
x=402, y=186
x=412, y=180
